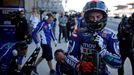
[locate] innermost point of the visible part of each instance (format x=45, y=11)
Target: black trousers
x=126, y=52
x=62, y=30
x=131, y=58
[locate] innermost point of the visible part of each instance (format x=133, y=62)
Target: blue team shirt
x=45, y=31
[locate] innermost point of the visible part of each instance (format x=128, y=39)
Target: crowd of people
x=91, y=46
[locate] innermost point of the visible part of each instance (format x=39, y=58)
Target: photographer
x=22, y=32
x=126, y=41
x=21, y=26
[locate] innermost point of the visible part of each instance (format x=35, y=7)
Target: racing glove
x=100, y=41
x=87, y=67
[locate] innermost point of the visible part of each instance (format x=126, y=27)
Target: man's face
x=21, y=13
x=50, y=20
x=60, y=57
x=22, y=51
x=95, y=16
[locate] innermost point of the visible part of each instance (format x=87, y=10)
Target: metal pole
x=97, y=63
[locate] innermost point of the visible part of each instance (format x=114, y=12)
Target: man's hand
x=55, y=42
x=25, y=36
x=100, y=41
x=78, y=67
x=38, y=45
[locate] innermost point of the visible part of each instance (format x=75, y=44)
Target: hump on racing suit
x=112, y=53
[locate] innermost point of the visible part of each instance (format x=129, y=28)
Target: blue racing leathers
x=8, y=61
x=83, y=47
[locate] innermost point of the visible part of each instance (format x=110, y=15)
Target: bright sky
x=79, y=4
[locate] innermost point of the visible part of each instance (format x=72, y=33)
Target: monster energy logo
x=90, y=46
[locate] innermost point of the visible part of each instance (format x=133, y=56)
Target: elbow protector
x=114, y=61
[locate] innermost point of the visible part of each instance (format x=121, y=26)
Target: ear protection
x=46, y=17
